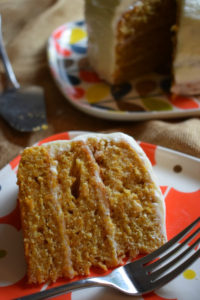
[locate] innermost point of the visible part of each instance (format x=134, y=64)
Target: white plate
x=145, y=98
x=178, y=176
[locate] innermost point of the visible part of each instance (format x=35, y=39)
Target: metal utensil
x=145, y=274
x=23, y=108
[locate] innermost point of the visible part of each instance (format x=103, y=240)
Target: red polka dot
x=60, y=50
x=149, y=149
x=163, y=189
x=89, y=76
x=14, y=163
x=57, y=33
x=181, y=210
x=18, y=289
x=184, y=102
x=76, y=92
x=153, y=296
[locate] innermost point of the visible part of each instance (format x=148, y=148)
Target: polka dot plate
x=146, y=97
x=178, y=176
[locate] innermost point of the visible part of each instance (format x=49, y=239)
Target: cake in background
x=88, y=202
x=128, y=38
x=186, y=66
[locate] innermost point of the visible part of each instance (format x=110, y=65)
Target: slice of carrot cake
x=88, y=202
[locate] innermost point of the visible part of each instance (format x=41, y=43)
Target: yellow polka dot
x=77, y=34
x=97, y=92
x=189, y=274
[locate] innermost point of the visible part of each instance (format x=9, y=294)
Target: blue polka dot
x=119, y=91
x=74, y=80
x=79, y=49
x=80, y=23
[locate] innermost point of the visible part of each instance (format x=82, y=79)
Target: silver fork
x=143, y=275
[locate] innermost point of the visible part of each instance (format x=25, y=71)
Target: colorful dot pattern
x=189, y=274
x=178, y=203
x=147, y=95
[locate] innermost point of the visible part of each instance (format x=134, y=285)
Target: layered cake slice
x=89, y=202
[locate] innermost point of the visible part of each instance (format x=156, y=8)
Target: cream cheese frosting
x=102, y=17
x=186, y=66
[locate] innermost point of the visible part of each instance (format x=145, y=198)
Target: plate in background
x=145, y=98
x=178, y=176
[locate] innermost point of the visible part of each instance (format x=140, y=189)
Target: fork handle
x=12, y=81
x=66, y=288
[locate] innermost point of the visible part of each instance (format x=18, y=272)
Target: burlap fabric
x=27, y=25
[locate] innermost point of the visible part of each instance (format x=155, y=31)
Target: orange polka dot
x=184, y=102
x=78, y=93
x=60, y=50
x=149, y=149
x=181, y=210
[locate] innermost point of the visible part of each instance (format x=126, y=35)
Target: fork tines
x=174, y=257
